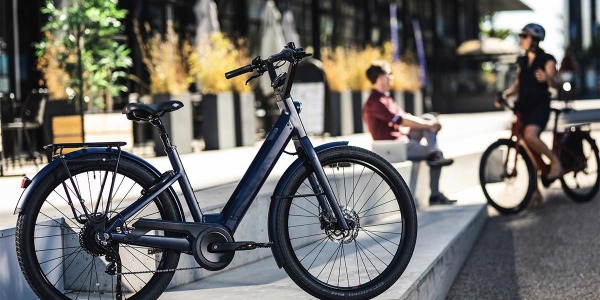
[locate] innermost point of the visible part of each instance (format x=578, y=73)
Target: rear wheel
x=582, y=184
x=507, y=177
x=360, y=263
x=61, y=254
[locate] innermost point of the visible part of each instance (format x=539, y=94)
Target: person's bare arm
x=414, y=122
x=514, y=89
x=549, y=74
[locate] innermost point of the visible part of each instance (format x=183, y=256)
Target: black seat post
x=164, y=136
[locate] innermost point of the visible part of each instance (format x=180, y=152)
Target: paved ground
x=552, y=252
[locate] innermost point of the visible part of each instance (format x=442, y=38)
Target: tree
x=80, y=40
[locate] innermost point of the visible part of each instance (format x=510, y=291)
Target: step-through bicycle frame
x=557, y=148
x=288, y=126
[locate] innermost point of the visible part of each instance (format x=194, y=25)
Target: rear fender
x=57, y=163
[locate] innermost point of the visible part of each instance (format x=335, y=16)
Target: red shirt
x=383, y=116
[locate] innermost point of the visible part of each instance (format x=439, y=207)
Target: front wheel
x=359, y=263
x=507, y=177
x=582, y=184
x=61, y=254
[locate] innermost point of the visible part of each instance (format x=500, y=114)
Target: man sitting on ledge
x=384, y=118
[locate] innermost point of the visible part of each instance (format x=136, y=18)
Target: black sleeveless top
x=533, y=94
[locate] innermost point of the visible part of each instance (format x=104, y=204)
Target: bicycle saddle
x=147, y=112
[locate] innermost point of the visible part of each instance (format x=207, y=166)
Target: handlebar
x=289, y=53
x=501, y=100
x=239, y=71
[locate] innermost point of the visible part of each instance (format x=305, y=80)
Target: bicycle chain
x=158, y=271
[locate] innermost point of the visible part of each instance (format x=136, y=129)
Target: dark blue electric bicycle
x=101, y=223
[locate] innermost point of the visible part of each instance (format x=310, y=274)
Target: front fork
x=320, y=184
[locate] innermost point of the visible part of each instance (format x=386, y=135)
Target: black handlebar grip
x=238, y=72
x=286, y=54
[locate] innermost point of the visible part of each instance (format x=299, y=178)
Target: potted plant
x=80, y=61
x=338, y=109
x=244, y=100
x=165, y=57
x=209, y=61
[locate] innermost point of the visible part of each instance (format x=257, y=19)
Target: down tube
x=257, y=173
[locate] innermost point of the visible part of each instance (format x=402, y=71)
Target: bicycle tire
x=573, y=186
x=369, y=244
x=56, y=252
x=496, y=181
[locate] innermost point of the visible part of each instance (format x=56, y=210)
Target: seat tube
x=184, y=183
x=177, y=165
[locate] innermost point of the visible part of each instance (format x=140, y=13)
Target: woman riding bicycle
x=536, y=72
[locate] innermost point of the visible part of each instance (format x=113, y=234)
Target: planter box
x=410, y=102
x=358, y=102
x=108, y=127
x=66, y=129
x=339, y=114
x=177, y=123
x=64, y=124
x=218, y=123
x=245, y=119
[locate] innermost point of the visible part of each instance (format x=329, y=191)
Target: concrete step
x=445, y=237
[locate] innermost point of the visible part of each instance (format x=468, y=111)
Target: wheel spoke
x=65, y=250
x=340, y=261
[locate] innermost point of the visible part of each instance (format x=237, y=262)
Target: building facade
x=582, y=28
x=443, y=25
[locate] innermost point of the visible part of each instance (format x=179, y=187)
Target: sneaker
x=440, y=199
x=437, y=159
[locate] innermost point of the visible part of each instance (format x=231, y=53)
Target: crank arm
x=236, y=246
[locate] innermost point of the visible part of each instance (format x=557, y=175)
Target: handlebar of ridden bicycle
x=502, y=101
x=289, y=54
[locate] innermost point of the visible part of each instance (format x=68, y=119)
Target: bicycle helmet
x=535, y=31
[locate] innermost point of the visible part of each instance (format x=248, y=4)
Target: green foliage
x=498, y=33
x=87, y=29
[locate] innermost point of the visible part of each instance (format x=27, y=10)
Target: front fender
x=278, y=192
x=57, y=163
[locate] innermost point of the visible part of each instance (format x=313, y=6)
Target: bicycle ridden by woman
x=536, y=72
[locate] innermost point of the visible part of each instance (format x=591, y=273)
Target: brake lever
x=252, y=78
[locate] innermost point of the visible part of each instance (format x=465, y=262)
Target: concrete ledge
x=444, y=247
x=254, y=226
x=416, y=174
x=460, y=175
x=446, y=235
x=14, y=285
x=393, y=150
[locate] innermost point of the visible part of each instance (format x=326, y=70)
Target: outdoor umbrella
x=487, y=46
x=206, y=19
x=289, y=28
x=272, y=39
